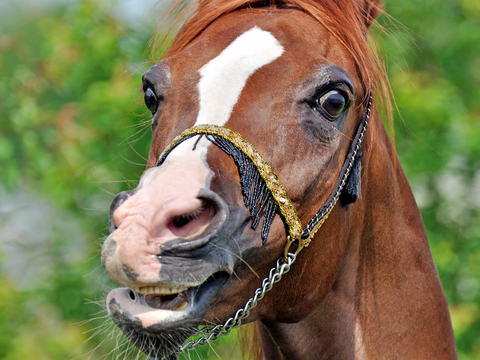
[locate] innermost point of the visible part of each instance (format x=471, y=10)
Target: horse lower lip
x=167, y=302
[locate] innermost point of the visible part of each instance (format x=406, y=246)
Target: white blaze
x=224, y=77
x=222, y=80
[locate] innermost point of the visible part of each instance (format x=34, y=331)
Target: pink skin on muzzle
x=165, y=207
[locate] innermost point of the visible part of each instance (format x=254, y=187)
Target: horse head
x=255, y=110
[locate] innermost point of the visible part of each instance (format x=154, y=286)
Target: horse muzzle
x=164, y=250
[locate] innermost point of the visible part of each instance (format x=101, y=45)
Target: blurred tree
x=73, y=133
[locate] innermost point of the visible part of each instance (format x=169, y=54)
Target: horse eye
x=333, y=102
x=151, y=100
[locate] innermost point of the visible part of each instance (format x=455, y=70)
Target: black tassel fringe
x=352, y=190
x=256, y=195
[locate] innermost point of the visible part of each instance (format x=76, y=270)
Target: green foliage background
x=73, y=132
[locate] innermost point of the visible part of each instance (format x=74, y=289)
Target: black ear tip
x=352, y=190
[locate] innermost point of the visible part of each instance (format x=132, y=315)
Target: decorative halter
x=263, y=194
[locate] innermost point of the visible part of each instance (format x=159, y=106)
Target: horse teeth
x=157, y=290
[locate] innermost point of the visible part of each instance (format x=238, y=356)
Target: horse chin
x=158, y=325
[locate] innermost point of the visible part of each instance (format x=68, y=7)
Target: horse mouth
x=158, y=319
x=173, y=299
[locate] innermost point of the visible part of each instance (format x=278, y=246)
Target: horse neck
x=387, y=300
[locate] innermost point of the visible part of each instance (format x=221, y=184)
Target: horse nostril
x=180, y=221
x=193, y=234
x=117, y=201
x=193, y=222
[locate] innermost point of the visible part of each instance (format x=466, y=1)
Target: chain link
x=212, y=333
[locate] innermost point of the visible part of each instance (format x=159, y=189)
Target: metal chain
x=212, y=333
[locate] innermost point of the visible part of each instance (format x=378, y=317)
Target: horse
x=264, y=118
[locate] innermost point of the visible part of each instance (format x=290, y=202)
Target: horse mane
x=332, y=14
x=249, y=339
